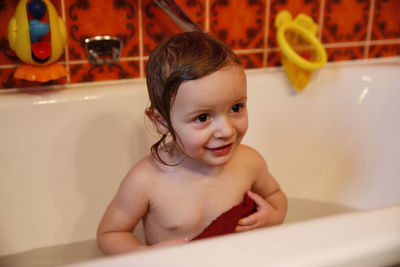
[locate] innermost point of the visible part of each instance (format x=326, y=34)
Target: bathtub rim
x=345, y=244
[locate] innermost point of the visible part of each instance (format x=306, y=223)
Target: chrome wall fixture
x=103, y=49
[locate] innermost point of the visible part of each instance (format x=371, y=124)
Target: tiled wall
x=349, y=29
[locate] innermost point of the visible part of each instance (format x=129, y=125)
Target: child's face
x=209, y=115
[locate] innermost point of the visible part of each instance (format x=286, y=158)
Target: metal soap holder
x=103, y=49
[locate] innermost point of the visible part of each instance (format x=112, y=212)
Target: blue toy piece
x=37, y=8
x=37, y=29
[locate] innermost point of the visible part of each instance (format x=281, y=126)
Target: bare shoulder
x=262, y=181
x=251, y=157
x=140, y=175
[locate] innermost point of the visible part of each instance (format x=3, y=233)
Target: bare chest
x=186, y=209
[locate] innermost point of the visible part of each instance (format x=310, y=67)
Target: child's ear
x=158, y=120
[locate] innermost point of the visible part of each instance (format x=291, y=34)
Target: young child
x=198, y=169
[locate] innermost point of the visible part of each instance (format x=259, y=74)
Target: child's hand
x=261, y=218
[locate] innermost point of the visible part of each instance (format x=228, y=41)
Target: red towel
x=226, y=223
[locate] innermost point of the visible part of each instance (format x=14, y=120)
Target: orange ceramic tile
x=252, y=60
x=87, y=18
x=274, y=59
x=308, y=7
x=345, y=21
x=391, y=50
x=90, y=73
x=7, y=56
x=8, y=80
x=196, y=10
x=240, y=24
x=345, y=53
x=386, y=24
x=158, y=26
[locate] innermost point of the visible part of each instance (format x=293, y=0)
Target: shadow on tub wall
x=106, y=147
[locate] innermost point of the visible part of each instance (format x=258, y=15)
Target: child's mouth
x=222, y=150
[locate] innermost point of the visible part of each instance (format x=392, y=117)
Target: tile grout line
x=361, y=43
x=66, y=52
x=266, y=33
x=369, y=28
x=241, y=51
x=207, y=17
x=141, y=58
x=248, y=51
x=321, y=19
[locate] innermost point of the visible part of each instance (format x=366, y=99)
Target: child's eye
x=236, y=108
x=202, y=118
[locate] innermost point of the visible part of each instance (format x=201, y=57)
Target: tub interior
x=333, y=148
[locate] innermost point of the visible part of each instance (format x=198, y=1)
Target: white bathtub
x=334, y=148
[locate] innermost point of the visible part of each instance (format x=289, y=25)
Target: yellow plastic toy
x=38, y=36
x=302, y=52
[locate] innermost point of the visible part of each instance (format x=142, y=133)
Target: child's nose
x=224, y=128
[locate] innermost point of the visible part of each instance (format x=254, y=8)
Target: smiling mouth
x=222, y=150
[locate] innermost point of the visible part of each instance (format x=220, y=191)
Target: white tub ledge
x=372, y=240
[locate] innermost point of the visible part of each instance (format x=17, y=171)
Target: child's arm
x=271, y=202
x=129, y=206
x=114, y=234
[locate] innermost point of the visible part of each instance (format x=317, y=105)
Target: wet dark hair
x=182, y=57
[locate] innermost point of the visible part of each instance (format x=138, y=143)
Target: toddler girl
x=198, y=169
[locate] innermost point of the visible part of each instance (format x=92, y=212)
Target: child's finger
x=243, y=228
x=260, y=202
x=249, y=220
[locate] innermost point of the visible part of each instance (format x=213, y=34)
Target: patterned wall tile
x=87, y=18
x=341, y=26
x=252, y=60
x=386, y=23
x=391, y=50
x=274, y=59
x=345, y=53
x=89, y=73
x=240, y=24
x=158, y=26
x=308, y=7
x=196, y=10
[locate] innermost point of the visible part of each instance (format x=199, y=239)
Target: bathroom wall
x=349, y=30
